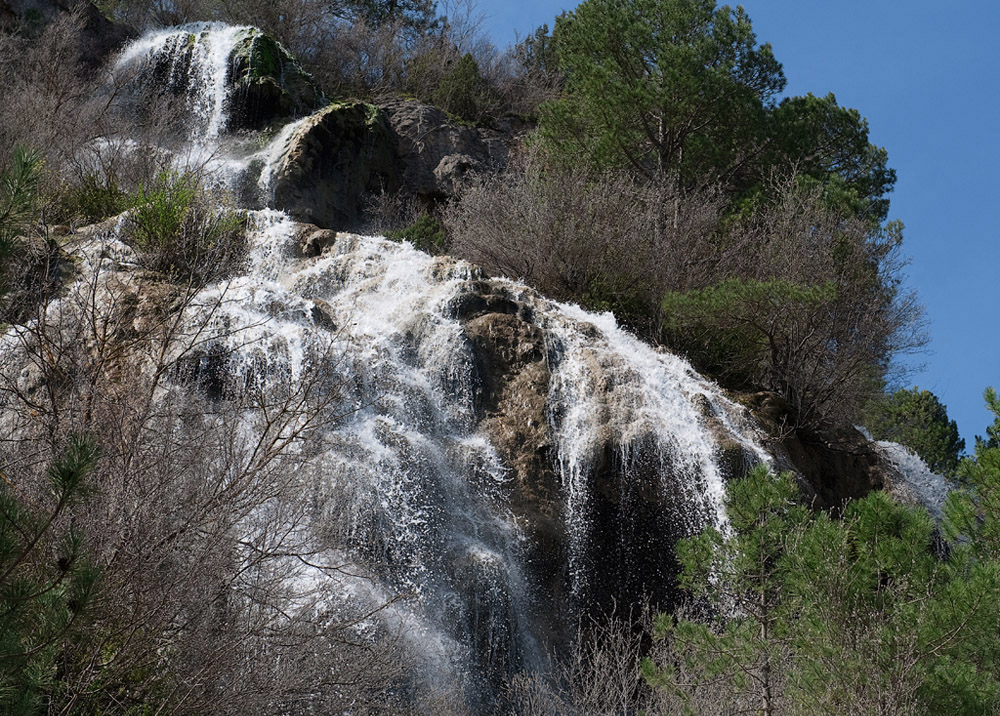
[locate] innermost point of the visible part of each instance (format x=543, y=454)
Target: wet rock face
x=511, y=364
x=634, y=515
x=635, y=529
x=267, y=83
x=341, y=155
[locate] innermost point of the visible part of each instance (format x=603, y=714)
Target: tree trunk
x=765, y=669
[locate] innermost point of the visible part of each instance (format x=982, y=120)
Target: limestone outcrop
x=336, y=158
x=436, y=156
x=347, y=153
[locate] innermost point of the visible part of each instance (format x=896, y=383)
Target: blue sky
x=925, y=76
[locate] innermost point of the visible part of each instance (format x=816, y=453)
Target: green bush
x=459, y=91
x=94, y=199
x=179, y=230
x=160, y=210
x=426, y=233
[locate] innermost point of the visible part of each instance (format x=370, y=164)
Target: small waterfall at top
x=192, y=61
x=418, y=477
x=193, y=65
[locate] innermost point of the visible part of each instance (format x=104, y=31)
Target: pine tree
x=809, y=613
x=19, y=194
x=735, y=575
x=973, y=514
x=46, y=582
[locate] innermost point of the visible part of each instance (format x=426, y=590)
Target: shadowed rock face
x=835, y=464
x=337, y=157
x=435, y=155
x=346, y=153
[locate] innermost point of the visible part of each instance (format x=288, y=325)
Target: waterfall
x=611, y=388
x=640, y=444
x=193, y=63
x=431, y=512
x=192, y=60
x=919, y=484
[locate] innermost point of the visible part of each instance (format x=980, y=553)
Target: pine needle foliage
x=46, y=581
x=19, y=199
x=796, y=612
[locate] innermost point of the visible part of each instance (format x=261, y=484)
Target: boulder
x=334, y=161
x=310, y=240
x=348, y=152
x=267, y=83
x=436, y=156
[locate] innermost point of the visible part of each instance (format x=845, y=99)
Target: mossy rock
x=342, y=155
x=267, y=83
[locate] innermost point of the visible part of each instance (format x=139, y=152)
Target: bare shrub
x=361, y=60
x=588, y=239
x=600, y=676
x=531, y=74
x=796, y=296
x=805, y=299
x=54, y=105
x=386, y=212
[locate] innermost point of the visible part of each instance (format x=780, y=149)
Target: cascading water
x=193, y=61
x=920, y=484
x=431, y=512
x=641, y=445
x=610, y=389
x=193, y=64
